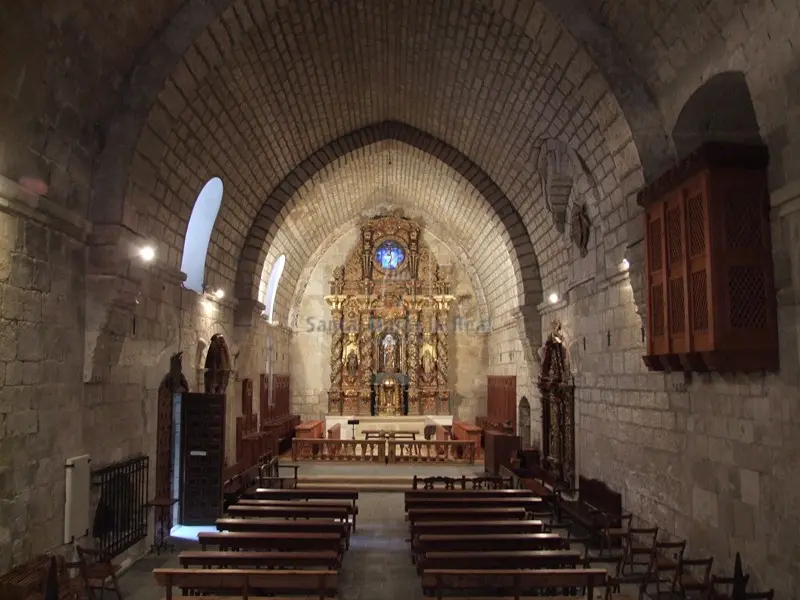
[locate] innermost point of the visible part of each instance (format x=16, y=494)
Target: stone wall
x=41, y=392
x=310, y=345
x=708, y=458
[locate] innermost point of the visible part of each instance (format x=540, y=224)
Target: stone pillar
x=366, y=361
x=412, y=340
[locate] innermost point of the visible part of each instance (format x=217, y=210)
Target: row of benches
x=288, y=541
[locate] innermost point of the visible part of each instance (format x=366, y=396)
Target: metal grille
x=655, y=245
x=120, y=519
x=698, y=293
x=657, y=293
x=674, y=242
x=743, y=220
x=677, y=320
x=747, y=297
x=696, y=217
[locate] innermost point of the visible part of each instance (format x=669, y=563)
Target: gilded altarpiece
x=558, y=408
x=390, y=305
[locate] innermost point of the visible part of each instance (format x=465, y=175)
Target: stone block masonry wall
x=41, y=390
x=710, y=458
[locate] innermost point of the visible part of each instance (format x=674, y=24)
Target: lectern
x=500, y=449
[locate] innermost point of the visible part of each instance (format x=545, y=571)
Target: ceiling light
x=219, y=293
x=553, y=298
x=625, y=264
x=147, y=253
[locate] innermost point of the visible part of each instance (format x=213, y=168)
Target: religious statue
x=174, y=380
x=428, y=362
x=351, y=356
x=337, y=283
x=389, y=359
x=580, y=226
x=390, y=397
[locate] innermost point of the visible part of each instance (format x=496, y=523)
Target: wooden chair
x=692, y=579
x=639, y=541
x=614, y=532
x=666, y=558
x=97, y=572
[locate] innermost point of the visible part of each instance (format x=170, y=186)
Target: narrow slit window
x=198, y=234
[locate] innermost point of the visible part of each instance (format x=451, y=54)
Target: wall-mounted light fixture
x=625, y=264
x=553, y=298
x=147, y=253
x=219, y=293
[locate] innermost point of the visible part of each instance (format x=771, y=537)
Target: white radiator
x=78, y=503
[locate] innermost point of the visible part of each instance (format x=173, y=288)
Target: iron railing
x=121, y=490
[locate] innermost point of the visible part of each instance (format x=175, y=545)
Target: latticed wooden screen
x=711, y=298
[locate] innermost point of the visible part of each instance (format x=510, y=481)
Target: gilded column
x=413, y=360
x=442, y=343
x=337, y=354
x=365, y=350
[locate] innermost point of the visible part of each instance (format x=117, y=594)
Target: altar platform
x=409, y=423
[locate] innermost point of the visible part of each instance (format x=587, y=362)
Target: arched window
x=272, y=286
x=198, y=234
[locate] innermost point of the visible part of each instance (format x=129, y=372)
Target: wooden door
x=203, y=451
x=501, y=400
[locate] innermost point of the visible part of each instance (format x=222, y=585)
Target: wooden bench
x=465, y=514
x=529, y=503
x=490, y=542
x=303, y=494
x=483, y=482
x=255, y=560
x=246, y=583
x=412, y=495
x=513, y=583
x=474, y=527
x=351, y=508
x=252, y=540
x=299, y=511
x=341, y=528
x=514, y=559
x=597, y=508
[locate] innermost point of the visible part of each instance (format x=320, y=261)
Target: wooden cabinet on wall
x=711, y=302
x=501, y=400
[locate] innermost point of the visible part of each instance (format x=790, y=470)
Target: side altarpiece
x=557, y=390
x=390, y=306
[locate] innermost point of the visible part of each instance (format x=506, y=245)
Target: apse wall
x=311, y=339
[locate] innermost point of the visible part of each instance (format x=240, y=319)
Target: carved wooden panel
x=264, y=410
x=203, y=452
x=501, y=400
x=164, y=445
x=711, y=302
x=247, y=396
x=282, y=392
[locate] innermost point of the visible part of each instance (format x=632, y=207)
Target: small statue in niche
x=580, y=226
x=174, y=380
x=337, y=283
x=351, y=356
x=428, y=361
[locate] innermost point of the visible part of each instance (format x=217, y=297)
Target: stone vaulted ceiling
x=249, y=90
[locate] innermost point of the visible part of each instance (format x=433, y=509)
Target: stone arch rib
x=269, y=216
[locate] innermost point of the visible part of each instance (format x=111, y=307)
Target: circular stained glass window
x=390, y=255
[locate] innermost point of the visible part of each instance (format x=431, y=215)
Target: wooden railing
x=383, y=451
x=343, y=450
x=430, y=451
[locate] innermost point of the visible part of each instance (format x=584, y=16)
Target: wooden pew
x=490, y=542
x=299, y=511
x=303, y=494
x=529, y=503
x=247, y=583
x=465, y=514
x=412, y=495
x=514, y=559
x=256, y=560
x=474, y=527
x=252, y=540
x=341, y=528
x=513, y=582
x=351, y=509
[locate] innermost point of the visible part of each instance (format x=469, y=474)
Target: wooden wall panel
x=501, y=400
